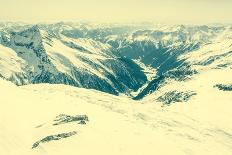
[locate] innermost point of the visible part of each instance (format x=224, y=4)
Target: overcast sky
x=169, y=11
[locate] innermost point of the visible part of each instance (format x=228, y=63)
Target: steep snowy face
x=27, y=44
x=11, y=66
x=50, y=57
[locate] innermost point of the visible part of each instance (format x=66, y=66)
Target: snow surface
x=117, y=125
x=10, y=63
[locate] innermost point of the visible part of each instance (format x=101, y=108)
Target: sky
x=167, y=11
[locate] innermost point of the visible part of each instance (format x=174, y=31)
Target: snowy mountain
x=212, y=55
x=42, y=55
x=111, y=58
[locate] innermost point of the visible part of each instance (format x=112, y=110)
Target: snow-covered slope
x=204, y=72
x=214, y=54
x=170, y=50
x=10, y=64
x=44, y=55
x=59, y=119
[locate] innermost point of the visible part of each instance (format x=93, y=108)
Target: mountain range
x=118, y=59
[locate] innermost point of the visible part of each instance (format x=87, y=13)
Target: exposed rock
x=62, y=119
x=175, y=96
x=53, y=137
x=224, y=87
x=181, y=73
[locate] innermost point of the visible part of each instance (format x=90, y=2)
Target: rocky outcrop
x=175, y=96
x=53, y=138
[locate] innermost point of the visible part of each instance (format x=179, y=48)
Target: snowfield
x=116, y=124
